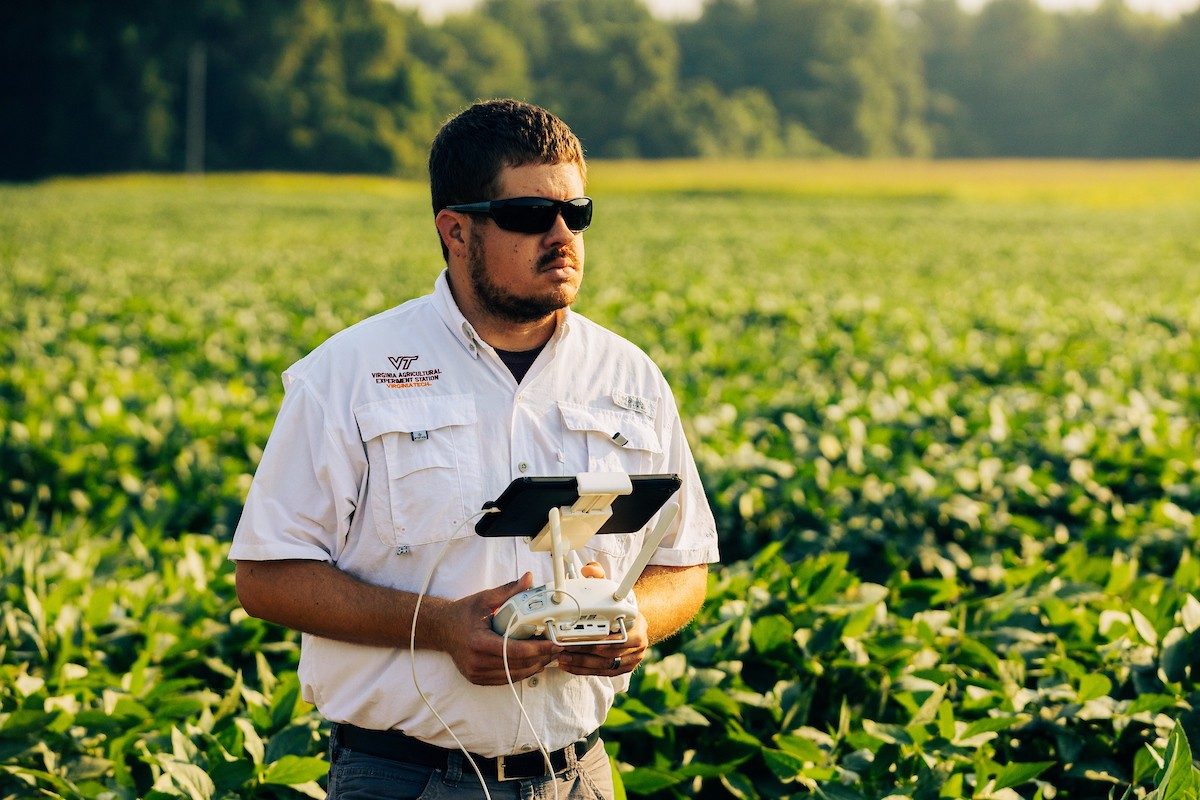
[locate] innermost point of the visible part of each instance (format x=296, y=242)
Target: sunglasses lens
x=525, y=218
x=538, y=214
x=577, y=213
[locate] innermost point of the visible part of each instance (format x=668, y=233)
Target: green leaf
x=291, y=770
x=232, y=699
x=988, y=725
x=1093, y=686
x=953, y=787
x=836, y=791
x=296, y=740
x=618, y=783
x=1145, y=767
x=859, y=622
x=885, y=732
x=945, y=718
x=1190, y=614
x=684, y=715
x=1017, y=773
x=189, y=778
x=695, y=770
x=1176, y=654
x=310, y=789
x=25, y=721
x=283, y=703
x=740, y=786
x=771, y=632
x=252, y=742
x=787, y=767
x=31, y=777
x=1144, y=627
x=715, y=700
x=646, y=780
x=617, y=718
x=228, y=775
x=800, y=747
x=1176, y=779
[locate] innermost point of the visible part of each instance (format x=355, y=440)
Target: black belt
x=397, y=746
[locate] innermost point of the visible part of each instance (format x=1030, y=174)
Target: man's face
x=523, y=277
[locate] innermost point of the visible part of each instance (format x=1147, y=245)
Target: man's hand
x=608, y=660
x=478, y=651
x=316, y=597
x=667, y=598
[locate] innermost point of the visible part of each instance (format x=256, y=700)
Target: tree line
x=361, y=85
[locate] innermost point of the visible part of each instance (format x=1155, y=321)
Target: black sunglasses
x=532, y=214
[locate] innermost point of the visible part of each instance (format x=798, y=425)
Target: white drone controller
x=574, y=610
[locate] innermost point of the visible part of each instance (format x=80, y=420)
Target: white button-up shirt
x=396, y=430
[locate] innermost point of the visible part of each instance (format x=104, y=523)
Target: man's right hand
x=316, y=597
x=478, y=651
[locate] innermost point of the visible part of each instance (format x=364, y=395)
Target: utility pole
x=197, y=67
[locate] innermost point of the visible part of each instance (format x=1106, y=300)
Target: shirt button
x=533, y=681
x=522, y=467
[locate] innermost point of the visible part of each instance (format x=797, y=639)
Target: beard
x=503, y=304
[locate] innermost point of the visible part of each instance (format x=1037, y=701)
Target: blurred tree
x=717, y=46
x=942, y=33
x=1177, y=71
x=89, y=88
x=838, y=67
x=479, y=57
x=606, y=54
x=1017, y=80
x=702, y=121
x=361, y=85
x=1104, y=82
x=292, y=84
x=316, y=84
x=1012, y=45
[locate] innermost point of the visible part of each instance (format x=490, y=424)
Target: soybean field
x=947, y=415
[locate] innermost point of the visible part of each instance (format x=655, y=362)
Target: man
x=394, y=432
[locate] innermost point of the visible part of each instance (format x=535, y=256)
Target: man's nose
x=559, y=232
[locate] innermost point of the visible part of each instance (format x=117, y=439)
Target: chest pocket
x=609, y=440
x=423, y=453
x=612, y=439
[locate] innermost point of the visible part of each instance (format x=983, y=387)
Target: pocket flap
x=610, y=423
x=411, y=414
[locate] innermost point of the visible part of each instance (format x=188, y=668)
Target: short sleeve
x=305, y=489
x=693, y=538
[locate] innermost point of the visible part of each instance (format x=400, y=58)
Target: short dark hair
x=472, y=148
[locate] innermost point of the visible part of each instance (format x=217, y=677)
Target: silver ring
x=616, y=664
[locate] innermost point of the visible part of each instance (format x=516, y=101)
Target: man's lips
x=550, y=263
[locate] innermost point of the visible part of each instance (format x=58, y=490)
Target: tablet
x=525, y=505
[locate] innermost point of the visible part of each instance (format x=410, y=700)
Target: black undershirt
x=519, y=361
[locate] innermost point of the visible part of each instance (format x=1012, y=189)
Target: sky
x=670, y=9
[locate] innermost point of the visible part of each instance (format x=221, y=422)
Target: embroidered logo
x=402, y=362
x=403, y=376
x=641, y=405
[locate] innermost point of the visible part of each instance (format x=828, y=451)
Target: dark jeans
x=359, y=776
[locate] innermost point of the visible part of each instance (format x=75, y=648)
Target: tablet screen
x=525, y=505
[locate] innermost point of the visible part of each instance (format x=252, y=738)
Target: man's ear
x=452, y=227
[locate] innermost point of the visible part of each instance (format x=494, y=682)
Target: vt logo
x=402, y=362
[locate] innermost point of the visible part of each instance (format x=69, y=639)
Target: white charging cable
x=513, y=688
x=412, y=647
x=412, y=660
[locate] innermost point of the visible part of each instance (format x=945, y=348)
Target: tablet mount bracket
x=579, y=611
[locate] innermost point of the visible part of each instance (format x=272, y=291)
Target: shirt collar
x=464, y=332
x=447, y=309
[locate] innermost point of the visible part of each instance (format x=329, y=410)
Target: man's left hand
x=608, y=660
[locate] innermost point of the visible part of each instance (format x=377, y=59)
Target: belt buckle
x=501, y=774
